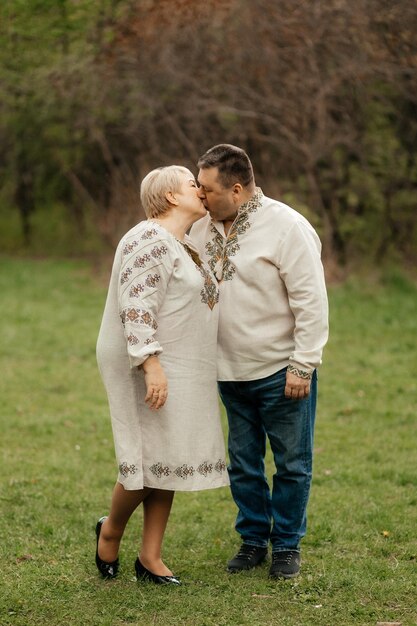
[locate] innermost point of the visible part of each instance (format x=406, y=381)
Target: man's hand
x=295, y=387
x=156, y=383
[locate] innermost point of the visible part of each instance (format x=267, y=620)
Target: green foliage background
x=94, y=93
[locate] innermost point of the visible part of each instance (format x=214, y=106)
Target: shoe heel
x=142, y=573
x=107, y=570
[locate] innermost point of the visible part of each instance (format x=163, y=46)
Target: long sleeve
x=302, y=272
x=146, y=266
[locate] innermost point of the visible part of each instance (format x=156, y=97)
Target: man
x=272, y=330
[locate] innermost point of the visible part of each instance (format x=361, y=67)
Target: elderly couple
x=240, y=300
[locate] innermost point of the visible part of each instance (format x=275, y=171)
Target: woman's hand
x=156, y=383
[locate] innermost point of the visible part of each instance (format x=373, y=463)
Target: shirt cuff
x=300, y=371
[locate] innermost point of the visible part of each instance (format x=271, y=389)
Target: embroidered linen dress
x=162, y=301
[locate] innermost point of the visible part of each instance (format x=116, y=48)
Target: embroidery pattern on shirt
x=220, y=252
x=138, y=316
x=215, y=249
x=126, y=469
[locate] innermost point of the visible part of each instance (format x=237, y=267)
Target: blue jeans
x=256, y=409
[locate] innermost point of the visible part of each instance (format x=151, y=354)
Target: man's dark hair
x=232, y=162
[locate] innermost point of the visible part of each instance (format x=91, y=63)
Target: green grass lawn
x=58, y=470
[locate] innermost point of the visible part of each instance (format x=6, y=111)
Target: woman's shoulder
x=143, y=235
x=145, y=231
x=143, y=245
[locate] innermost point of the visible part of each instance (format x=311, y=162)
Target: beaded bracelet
x=299, y=373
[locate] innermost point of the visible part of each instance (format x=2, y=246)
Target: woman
x=157, y=356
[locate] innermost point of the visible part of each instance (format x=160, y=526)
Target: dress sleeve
x=146, y=266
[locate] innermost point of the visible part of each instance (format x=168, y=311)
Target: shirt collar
x=253, y=203
x=250, y=206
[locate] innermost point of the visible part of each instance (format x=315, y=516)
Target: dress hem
x=183, y=488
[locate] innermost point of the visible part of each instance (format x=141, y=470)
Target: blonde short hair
x=157, y=184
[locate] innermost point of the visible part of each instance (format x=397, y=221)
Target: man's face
x=219, y=202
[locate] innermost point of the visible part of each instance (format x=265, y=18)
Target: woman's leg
x=123, y=504
x=156, y=510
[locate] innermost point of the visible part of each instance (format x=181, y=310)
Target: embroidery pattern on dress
x=138, y=316
x=129, y=247
x=136, y=290
x=151, y=281
x=125, y=275
x=160, y=470
x=132, y=340
x=205, y=468
x=141, y=261
x=126, y=469
x=219, y=252
x=149, y=233
x=210, y=293
x=220, y=466
x=184, y=471
x=158, y=251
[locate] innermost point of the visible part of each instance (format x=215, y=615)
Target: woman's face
x=188, y=198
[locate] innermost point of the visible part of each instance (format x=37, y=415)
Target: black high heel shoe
x=107, y=570
x=144, y=574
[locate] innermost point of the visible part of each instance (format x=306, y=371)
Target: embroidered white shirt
x=273, y=301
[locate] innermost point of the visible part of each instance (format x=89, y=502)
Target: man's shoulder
x=280, y=209
x=278, y=212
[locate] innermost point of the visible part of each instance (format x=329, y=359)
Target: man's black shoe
x=285, y=564
x=247, y=557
